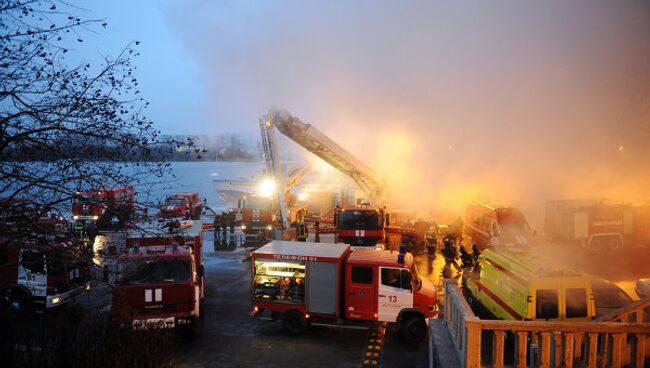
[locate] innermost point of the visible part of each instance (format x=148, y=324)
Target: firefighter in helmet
x=79, y=228
x=231, y=223
x=223, y=224
x=431, y=240
x=301, y=230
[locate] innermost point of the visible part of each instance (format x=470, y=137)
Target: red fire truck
x=104, y=205
x=489, y=225
x=160, y=278
x=256, y=217
x=361, y=226
x=41, y=276
x=591, y=223
x=182, y=205
x=301, y=283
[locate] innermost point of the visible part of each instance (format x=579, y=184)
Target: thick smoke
x=514, y=102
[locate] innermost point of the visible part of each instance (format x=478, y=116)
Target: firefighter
x=79, y=228
x=431, y=243
x=449, y=251
x=467, y=260
x=475, y=252
x=301, y=231
x=223, y=223
x=91, y=231
x=217, y=230
x=231, y=223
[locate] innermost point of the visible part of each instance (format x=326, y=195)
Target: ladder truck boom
x=329, y=151
x=274, y=168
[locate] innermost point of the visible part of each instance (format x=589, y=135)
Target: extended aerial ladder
x=319, y=144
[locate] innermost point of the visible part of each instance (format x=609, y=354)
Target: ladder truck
x=316, y=142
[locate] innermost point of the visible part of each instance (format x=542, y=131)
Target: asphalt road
x=231, y=338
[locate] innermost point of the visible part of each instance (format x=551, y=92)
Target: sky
x=449, y=100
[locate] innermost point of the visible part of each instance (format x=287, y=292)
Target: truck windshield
x=257, y=204
x=33, y=261
x=512, y=223
x=367, y=220
x=175, y=201
x=514, y=229
x=153, y=271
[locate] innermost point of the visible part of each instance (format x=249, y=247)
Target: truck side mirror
x=201, y=270
x=388, y=219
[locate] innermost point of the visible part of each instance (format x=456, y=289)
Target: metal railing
x=615, y=342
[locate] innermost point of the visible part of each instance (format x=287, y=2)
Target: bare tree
x=66, y=125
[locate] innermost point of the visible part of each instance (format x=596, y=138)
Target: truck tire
x=15, y=302
x=295, y=323
x=197, y=213
x=414, y=330
x=195, y=328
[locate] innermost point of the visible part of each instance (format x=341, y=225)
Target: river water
x=199, y=176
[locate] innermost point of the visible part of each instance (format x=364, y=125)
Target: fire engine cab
x=160, y=279
x=182, y=205
x=488, y=225
x=38, y=277
x=301, y=282
x=104, y=205
x=361, y=226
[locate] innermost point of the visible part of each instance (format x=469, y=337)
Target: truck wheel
x=295, y=323
x=195, y=329
x=15, y=302
x=414, y=330
x=197, y=214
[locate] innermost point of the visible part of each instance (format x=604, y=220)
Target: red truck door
x=361, y=292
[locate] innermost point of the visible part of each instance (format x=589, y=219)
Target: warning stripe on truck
x=499, y=301
x=512, y=275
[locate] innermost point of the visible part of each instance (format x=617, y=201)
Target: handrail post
x=617, y=346
x=640, y=350
x=473, y=347
x=545, y=356
x=497, y=348
x=593, y=350
x=522, y=347
x=569, y=349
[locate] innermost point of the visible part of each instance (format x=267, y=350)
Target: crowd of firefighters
x=224, y=231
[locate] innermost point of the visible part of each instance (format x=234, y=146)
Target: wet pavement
x=231, y=338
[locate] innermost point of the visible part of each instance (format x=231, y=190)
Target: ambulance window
x=390, y=277
x=361, y=275
x=576, y=303
x=546, y=304
x=406, y=280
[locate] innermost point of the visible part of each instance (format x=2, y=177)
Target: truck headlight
x=56, y=300
x=269, y=227
x=87, y=286
x=95, y=217
x=243, y=227
x=75, y=217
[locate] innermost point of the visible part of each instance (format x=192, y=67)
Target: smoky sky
x=497, y=100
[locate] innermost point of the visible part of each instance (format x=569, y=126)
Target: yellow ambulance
x=515, y=284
